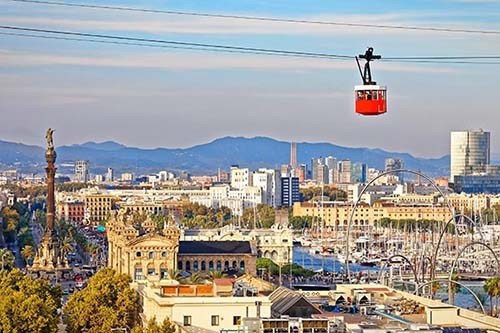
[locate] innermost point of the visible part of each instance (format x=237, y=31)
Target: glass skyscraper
x=470, y=152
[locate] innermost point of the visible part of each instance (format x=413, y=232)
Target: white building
x=209, y=308
x=240, y=177
x=110, y=176
x=269, y=181
x=82, y=171
x=127, y=177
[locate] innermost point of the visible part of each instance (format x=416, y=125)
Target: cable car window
x=375, y=95
x=360, y=95
x=368, y=96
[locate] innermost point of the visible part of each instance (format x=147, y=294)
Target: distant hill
x=206, y=158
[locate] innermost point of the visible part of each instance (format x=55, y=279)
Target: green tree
x=106, y=302
x=267, y=265
x=28, y=253
x=166, y=326
x=263, y=215
x=10, y=219
x=28, y=305
x=7, y=259
x=300, y=222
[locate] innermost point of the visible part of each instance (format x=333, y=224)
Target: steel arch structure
x=389, y=261
x=440, y=239
x=457, y=283
x=453, y=266
x=355, y=205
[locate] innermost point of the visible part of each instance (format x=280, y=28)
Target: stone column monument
x=48, y=254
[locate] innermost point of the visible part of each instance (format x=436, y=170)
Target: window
x=138, y=274
x=187, y=321
x=215, y=320
x=138, y=254
x=164, y=254
x=236, y=320
x=151, y=255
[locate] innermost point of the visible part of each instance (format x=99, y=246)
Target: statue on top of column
x=48, y=136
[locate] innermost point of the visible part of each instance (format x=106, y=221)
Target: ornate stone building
x=145, y=249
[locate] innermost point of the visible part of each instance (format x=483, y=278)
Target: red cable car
x=370, y=98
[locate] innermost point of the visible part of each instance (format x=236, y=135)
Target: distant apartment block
x=82, y=171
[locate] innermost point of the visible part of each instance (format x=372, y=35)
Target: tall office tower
x=358, y=174
x=314, y=166
x=331, y=164
x=290, y=193
x=395, y=164
x=321, y=174
x=470, y=152
x=302, y=172
x=293, y=155
x=344, y=170
x=110, y=176
x=82, y=171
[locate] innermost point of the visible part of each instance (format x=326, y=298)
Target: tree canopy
x=333, y=193
x=263, y=215
x=107, y=302
x=28, y=305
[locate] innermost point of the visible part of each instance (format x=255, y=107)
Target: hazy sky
x=150, y=97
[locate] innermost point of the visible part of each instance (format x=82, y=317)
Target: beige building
x=142, y=207
x=338, y=214
x=146, y=249
x=275, y=243
x=209, y=307
x=98, y=206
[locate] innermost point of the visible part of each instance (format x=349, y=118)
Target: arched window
x=219, y=266
x=226, y=265
x=210, y=265
x=203, y=266
x=235, y=265
x=242, y=265
x=179, y=265
x=195, y=265
x=188, y=266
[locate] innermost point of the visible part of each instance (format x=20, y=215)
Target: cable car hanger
x=367, y=75
x=370, y=99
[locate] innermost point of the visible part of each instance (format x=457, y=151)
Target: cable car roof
x=370, y=87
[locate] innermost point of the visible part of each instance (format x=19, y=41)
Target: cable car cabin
x=370, y=100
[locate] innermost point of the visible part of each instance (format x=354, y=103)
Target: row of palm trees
x=492, y=288
x=195, y=278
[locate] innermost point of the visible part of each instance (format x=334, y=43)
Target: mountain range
x=205, y=158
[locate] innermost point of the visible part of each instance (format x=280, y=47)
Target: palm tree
x=175, y=274
x=491, y=288
x=67, y=246
x=217, y=275
x=7, y=259
x=195, y=278
x=28, y=253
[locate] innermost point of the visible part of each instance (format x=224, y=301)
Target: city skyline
x=96, y=93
